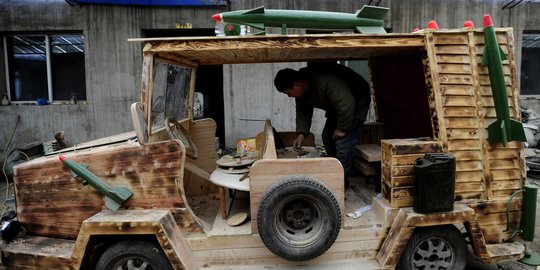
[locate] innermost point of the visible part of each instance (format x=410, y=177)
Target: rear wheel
x=133, y=255
x=441, y=248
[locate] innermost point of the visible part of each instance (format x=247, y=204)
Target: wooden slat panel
x=441, y=38
x=469, y=176
x=458, y=101
x=457, y=90
x=498, y=164
x=506, y=184
x=461, y=145
x=459, y=123
x=451, y=49
x=484, y=80
x=470, y=187
x=454, y=68
x=462, y=133
x=58, y=204
x=455, y=79
x=488, y=92
x=468, y=165
x=499, y=175
x=453, y=58
x=465, y=155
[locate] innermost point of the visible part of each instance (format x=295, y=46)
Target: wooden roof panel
x=277, y=48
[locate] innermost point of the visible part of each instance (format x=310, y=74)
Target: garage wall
x=113, y=65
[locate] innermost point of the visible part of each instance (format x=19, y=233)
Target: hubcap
x=132, y=263
x=299, y=221
x=433, y=253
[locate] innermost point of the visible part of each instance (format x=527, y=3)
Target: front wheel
x=441, y=247
x=133, y=255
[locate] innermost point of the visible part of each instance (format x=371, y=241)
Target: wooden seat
x=368, y=162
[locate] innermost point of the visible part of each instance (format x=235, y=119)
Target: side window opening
x=48, y=67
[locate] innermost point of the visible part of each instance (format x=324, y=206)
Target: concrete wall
x=113, y=65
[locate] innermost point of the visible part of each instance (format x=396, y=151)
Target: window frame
x=48, y=64
x=521, y=95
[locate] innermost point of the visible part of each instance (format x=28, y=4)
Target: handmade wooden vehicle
x=426, y=85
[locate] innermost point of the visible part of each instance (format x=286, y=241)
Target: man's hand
x=297, y=143
x=338, y=134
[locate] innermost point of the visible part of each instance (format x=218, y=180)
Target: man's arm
x=304, y=114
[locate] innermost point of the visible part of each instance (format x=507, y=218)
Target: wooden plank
x=464, y=145
x=448, y=79
x=410, y=146
x=462, y=133
x=468, y=176
x=468, y=165
x=370, y=152
x=38, y=253
x=457, y=90
x=407, y=160
x=461, y=123
x=202, y=132
x=458, y=101
x=453, y=58
x=400, y=181
x=506, y=251
x=466, y=187
x=452, y=68
x=365, y=167
x=460, y=111
x=398, y=197
x=447, y=38
x=463, y=155
x=451, y=49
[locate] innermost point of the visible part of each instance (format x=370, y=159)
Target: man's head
x=291, y=82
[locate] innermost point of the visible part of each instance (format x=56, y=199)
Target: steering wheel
x=178, y=132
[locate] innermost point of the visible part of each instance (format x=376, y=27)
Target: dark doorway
x=209, y=79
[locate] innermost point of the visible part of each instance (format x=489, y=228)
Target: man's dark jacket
x=342, y=93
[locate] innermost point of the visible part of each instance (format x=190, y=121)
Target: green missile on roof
x=369, y=19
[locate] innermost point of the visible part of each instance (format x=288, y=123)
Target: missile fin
x=503, y=55
x=123, y=192
x=111, y=204
x=372, y=12
x=506, y=131
x=259, y=26
x=371, y=30
x=258, y=10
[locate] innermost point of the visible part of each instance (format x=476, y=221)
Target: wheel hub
x=298, y=216
x=433, y=253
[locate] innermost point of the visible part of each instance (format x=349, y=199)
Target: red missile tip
x=487, y=20
x=62, y=158
x=433, y=25
x=216, y=17
x=468, y=24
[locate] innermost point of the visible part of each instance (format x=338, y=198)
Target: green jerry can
x=435, y=176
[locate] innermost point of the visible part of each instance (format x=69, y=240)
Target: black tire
x=298, y=218
x=131, y=255
x=441, y=247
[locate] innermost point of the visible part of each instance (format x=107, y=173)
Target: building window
x=48, y=67
x=530, y=65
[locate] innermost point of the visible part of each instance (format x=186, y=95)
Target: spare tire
x=298, y=218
